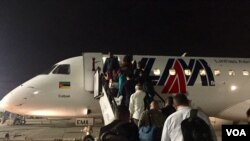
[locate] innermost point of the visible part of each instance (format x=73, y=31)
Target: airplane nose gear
x=88, y=137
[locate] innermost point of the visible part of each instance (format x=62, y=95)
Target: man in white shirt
x=136, y=103
x=172, y=126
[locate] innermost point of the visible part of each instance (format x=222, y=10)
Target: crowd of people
x=138, y=107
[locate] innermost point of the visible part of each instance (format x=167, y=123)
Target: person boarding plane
x=218, y=86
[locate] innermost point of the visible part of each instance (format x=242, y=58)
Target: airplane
x=218, y=86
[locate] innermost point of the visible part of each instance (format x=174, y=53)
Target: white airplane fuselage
x=219, y=86
x=43, y=95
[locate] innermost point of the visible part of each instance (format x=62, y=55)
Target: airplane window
x=62, y=69
x=231, y=73
x=172, y=72
x=216, y=72
x=187, y=72
x=157, y=71
x=245, y=73
x=202, y=72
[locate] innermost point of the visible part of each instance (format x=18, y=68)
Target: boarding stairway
x=107, y=101
x=103, y=93
x=108, y=106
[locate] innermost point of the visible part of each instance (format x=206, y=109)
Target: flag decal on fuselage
x=64, y=85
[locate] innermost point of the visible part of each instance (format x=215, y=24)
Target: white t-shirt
x=172, y=126
x=136, y=104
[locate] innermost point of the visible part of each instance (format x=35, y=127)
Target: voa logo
x=236, y=132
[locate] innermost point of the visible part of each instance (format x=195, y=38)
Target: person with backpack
x=151, y=123
x=121, y=129
x=177, y=124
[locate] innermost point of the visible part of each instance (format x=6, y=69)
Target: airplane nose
x=15, y=100
x=5, y=104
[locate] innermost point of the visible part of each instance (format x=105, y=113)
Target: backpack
x=195, y=129
x=112, y=136
x=117, y=133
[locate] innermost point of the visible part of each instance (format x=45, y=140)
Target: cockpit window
x=62, y=69
x=49, y=70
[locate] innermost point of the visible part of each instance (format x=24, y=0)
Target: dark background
x=35, y=34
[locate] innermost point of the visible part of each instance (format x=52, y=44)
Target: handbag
x=148, y=132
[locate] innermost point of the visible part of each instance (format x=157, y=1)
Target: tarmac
x=46, y=130
x=63, y=130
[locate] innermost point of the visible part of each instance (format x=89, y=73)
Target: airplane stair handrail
x=111, y=98
x=103, y=93
x=162, y=100
x=108, y=105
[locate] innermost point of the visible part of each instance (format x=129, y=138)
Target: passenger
x=113, y=88
x=5, y=116
x=136, y=103
x=134, y=65
x=140, y=78
x=139, y=70
x=121, y=81
x=153, y=116
x=128, y=89
x=169, y=107
x=16, y=120
x=157, y=118
x=148, y=88
x=120, y=125
x=111, y=65
x=172, y=126
x=19, y=120
x=127, y=65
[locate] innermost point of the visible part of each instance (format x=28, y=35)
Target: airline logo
x=177, y=83
x=64, y=85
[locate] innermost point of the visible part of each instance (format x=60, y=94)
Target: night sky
x=35, y=34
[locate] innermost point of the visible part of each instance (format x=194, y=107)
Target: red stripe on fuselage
x=175, y=83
